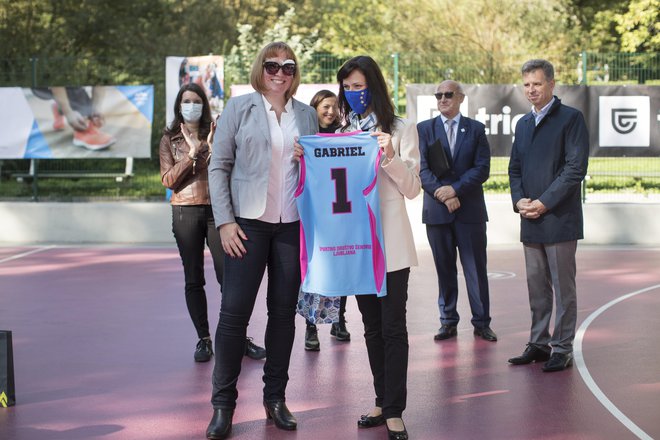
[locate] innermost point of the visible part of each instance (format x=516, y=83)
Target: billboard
x=206, y=71
x=76, y=122
x=622, y=120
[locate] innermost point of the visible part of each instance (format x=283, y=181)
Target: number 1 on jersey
x=341, y=205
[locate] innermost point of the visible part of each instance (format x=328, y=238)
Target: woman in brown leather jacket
x=184, y=155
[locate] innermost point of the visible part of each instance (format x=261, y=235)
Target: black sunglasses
x=447, y=95
x=273, y=67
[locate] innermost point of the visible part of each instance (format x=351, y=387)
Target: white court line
x=586, y=376
x=25, y=254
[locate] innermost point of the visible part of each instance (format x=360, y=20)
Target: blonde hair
x=269, y=51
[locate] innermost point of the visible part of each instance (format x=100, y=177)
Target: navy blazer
x=470, y=168
x=548, y=162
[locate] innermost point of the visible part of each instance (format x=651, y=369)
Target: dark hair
x=320, y=96
x=317, y=99
x=205, y=120
x=381, y=104
x=545, y=65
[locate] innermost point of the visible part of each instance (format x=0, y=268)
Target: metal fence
x=102, y=179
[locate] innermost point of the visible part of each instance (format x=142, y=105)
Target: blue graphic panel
x=37, y=147
x=142, y=98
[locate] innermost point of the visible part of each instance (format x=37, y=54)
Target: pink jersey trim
x=303, y=254
x=371, y=186
x=301, y=178
x=377, y=254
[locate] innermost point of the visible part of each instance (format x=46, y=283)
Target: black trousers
x=193, y=228
x=386, y=336
x=276, y=247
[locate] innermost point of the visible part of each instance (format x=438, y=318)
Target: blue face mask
x=359, y=100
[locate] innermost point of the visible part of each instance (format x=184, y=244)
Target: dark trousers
x=386, y=336
x=193, y=227
x=272, y=246
x=470, y=241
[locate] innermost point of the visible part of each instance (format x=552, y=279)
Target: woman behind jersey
x=365, y=104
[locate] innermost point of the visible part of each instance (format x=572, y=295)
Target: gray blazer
x=240, y=162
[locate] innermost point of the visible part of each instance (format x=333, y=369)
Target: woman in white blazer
x=252, y=180
x=365, y=104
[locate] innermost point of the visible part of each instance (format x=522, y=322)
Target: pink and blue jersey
x=341, y=239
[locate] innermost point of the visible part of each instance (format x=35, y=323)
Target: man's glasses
x=273, y=67
x=447, y=95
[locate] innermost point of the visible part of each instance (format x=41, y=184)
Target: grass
x=638, y=175
x=635, y=175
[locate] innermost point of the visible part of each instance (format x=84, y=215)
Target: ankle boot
x=220, y=426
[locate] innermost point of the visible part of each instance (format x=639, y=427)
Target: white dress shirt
x=283, y=171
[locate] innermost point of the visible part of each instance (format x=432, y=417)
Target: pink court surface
x=103, y=349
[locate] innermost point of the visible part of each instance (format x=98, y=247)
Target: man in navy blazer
x=548, y=162
x=454, y=209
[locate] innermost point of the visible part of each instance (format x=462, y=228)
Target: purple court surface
x=103, y=349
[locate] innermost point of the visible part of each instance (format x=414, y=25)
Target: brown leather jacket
x=187, y=178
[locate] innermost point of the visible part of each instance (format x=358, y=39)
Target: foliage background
x=83, y=42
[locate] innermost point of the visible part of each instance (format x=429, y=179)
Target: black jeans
x=386, y=336
x=275, y=246
x=193, y=227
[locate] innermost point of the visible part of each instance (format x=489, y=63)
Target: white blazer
x=399, y=178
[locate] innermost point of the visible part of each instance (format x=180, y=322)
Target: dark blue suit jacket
x=470, y=167
x=548, y=162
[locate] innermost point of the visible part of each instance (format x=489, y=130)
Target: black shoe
x=220, y=426
x=253, y=351
x=338, y=330
x=486, y=333
x=558, y=362
x=532, y=353
x=397, y=435
x=446, y=332
x=312, y=338
x=367, y=421
x=204, y=350
x=281, y=415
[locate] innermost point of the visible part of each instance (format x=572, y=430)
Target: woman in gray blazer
x=252, y=180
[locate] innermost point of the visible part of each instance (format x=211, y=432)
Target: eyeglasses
x=447, y=95
x=272, y=67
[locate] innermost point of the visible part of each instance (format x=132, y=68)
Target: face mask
x=358, y=100
x=191, y=112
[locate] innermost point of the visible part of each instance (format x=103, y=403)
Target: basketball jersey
x=341, y=240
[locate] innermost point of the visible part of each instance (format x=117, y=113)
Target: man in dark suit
x=548, y=163
x=454, y=209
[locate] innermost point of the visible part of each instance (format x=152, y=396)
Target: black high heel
x=281, y=415
x=220, y=426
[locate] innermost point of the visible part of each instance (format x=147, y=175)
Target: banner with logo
x=76, y=122
x=206, y=71
x=622, y=120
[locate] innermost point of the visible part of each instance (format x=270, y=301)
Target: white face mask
x=191, y=112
